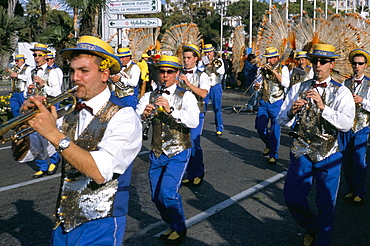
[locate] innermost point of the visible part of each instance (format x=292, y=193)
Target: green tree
x=11, y=28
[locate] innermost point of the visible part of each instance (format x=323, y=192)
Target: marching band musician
x=176, y=112
x=355, y=140
x=50, y=58
x=126, y=81
x=275, y=78
x=196, y=81
x=215, y=69
x=303, y=71
x=99, y=141
x=23, y=70
x=44, y=80
x=321, y=108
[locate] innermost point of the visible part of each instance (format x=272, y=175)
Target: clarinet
x=158, y=109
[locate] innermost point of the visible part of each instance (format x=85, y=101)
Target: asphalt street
x=239, y=203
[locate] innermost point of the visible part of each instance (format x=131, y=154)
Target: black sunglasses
x=167, y=71
x=39, y=55
x=359, y=63
x=322, y=61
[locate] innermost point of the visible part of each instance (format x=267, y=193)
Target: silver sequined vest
x=80, y=198
x=272, y=90
x=169, y=136
x=195, y=80
x=362, y=117
x=127, y=90
x=316, y=136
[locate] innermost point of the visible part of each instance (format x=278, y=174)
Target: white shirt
x=204, y=82
x=134, y=74
x=188, y=115
x=122, y=138
x=54, y=87
x=27, y=73
x=340, y=114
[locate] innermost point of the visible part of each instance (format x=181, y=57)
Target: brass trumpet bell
x=23, y=118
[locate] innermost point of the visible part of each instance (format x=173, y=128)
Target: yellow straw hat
x=208, y=48
x=302, y=54
x=41, y=47
x=323, y=50
x=271, y=52
x=359, y=52
x=20, y=57
x=50, y=56
x=168, y=61
x=99, y=48
x=122, y=52
x=191, y=47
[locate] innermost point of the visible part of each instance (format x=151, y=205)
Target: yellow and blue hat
x=359, y=52
x=323, y=50
x=208, y=48
x=145, y=55
x=20, y=57
x=301, y=54
x=99, y=48
x=191, y=47
x=168, y=61
x=50, y=56
x=122, y=52
x=271, y=52
x=41, y=47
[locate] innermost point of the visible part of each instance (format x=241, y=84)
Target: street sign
x=135, y=23
x=135, y=7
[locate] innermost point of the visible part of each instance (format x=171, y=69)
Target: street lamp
x=221, y=9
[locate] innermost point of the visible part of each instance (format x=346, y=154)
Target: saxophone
x=13, y=81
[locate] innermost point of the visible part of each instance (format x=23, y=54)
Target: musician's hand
x=161, y=101
x=14, y=75
x=30, y=88
x=29, y=104
x=45, y=121
x=148, y=110
x=297, y=106
x=185, y=79
x=115, y=78
x=357, y=99
x=257, y=86
x=38, y=80
x=316, y=97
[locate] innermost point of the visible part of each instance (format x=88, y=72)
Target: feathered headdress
x=179, y=35
x=143, y=40
x=238, y=48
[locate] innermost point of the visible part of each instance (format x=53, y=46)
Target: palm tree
x=11, y=28
x=90, y=16
x=76, y=6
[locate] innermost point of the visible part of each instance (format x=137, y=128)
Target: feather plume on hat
x=143, y=40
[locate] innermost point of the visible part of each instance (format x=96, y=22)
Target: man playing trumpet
x=315, y=154
x=126, y=91
x=98, y=142
x=355, y=140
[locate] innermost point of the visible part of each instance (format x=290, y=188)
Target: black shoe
x=309, y=239
x=272, y=161
x=195, y=182
x=348, y=197
x=357, y=201
x=176, y=237
x=39, y=174
x=52, y=168
x=218, y=133
x=266, y=152
x=165, y=234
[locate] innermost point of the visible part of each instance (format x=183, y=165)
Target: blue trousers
x=16, y=100
x=269, y=112
x=165, y=175
x=354, y=160
x=127, y=101
x=108, y=231
x=44, y=164
x=196, y=164
x=215, y=94
x=299, y=180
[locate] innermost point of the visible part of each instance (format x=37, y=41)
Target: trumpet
x=23, y=118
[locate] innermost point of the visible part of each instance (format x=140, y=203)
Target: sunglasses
x=167, y=71
x=358, y=63
x=322, y=61
x=39, y=55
